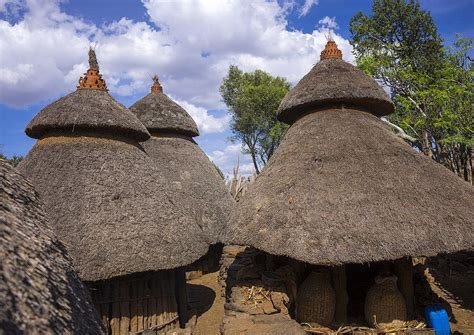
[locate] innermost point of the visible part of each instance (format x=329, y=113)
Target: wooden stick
x=339, y=280
x=124, y=309
x=152, y=302
x=172, y=302
x=182, y=300
x=133, y=308
x=106, y=307
x=115, y=321
x=146, y=311
x=404, y=272
x=140, y=305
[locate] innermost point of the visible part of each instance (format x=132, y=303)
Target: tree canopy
x=253, y=99
x=431, y=85
x=13, y=161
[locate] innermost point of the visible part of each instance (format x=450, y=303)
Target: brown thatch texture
x=161, y=114
x=109, y=205
x=334, y=82
x=180, y=160
x=87, y=110
x=342, y=188
x=39, y=290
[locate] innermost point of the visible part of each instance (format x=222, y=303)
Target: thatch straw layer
x=342, y=188
x=180, y=160
x=334, y=83
x=87, y=110
x=39, y=290
x=161, y=114
x=109, y=205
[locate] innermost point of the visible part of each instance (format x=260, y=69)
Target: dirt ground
x=452, y=279
x=204, y=296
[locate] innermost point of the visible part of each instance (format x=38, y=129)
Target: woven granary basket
x=316, y=300
x=384, y=304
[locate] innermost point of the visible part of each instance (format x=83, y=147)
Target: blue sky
x=189, y=44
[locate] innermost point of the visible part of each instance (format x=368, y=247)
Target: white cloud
x=39, y=52
x=11, y=7
x=228, y=158
x=189, y=44
x=206, y=122
x=249, y=34
x=223, y=156
x=308, y=4
x=191, y=51
x=19, y=72
x=328, y=22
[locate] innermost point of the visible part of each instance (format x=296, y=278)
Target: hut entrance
x=379, y=295
x=385, y=291
x=135, y=303
x=360, y=279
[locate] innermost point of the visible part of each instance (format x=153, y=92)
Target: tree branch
x=399, y=131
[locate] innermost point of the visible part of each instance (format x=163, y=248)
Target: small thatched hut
x=180, y=160
x=39, y=291
x=128, y=230
x=342, y=188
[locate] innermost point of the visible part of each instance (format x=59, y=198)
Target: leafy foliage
x=253, y=99
x=431, y=86
x=13, y=161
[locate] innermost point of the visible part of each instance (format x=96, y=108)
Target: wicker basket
x=384, y=304
x=316, y=300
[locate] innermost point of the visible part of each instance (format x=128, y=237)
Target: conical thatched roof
x=39, y=291
x=161, y=114
x=342, y=188
x=180, y=160
x=106, y=200
x=87, y=111
x=333, y=83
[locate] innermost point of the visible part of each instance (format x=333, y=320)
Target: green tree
x=431, y=86
x=253, y=99
x=13, y=161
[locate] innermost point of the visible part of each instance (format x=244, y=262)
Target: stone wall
x=258, y=301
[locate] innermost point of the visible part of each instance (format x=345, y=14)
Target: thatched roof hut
x=180, y=160
x=342, y=188
x=39, y=291
x=101, y=190
x=109, y=205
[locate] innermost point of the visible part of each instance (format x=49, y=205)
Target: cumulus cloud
x=11, y=7
x=189, y=44
x=248, y=34
x=228, y=158
x=308, y=4
x=39, y=52
x=206, y=122
x=328, y=23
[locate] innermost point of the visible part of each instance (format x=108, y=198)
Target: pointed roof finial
x=93, y=60
x=156, y=87
x=329, y=36
x=331, y=50
x=92, y=79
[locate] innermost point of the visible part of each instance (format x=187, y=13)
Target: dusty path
x=204, y=295
x=455, y=284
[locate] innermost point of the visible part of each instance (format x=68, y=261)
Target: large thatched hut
x=180, y=160
x=39, y=291
x=344, y=189
x=128, y=230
